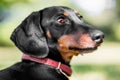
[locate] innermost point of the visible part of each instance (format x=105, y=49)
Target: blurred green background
x=103, y=64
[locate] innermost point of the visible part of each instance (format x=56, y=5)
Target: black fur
x=30, y=37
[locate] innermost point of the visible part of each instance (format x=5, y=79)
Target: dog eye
x=61, y=20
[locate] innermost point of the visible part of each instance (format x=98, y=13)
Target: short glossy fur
x=55, y=32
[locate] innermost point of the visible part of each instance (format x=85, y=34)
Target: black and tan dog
x=49, y=38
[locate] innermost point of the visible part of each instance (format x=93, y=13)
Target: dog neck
x=47, y=61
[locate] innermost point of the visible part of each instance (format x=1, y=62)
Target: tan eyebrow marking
x=65, y=14
x=48, y=34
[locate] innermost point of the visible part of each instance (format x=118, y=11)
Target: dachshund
x=48, y=39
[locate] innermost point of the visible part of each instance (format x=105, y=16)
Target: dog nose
x=97, y=36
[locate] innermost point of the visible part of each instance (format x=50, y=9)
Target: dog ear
x=30, y=38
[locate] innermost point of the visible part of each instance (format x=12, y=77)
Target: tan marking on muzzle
x=85, y=41
x=67, y=41
x=64, y=43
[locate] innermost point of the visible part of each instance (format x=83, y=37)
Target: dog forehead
x=58, y=9
x=53, y=12
x=66, y=11
x=73, y=15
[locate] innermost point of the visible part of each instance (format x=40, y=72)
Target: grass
x=112, y=72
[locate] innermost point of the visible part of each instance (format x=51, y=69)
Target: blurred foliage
x=5, y=31
x=114, y=27
x=112, y=72
x=8, y=3
x=118, y=8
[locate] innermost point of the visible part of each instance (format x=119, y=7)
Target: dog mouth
x=75, y=46
x=83, y=50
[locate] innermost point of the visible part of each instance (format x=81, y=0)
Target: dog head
x=59, y=28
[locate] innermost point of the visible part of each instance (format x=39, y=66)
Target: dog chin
x=84, y=50
x=87, y=50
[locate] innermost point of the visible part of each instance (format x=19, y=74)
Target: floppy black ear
x=29, y=36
